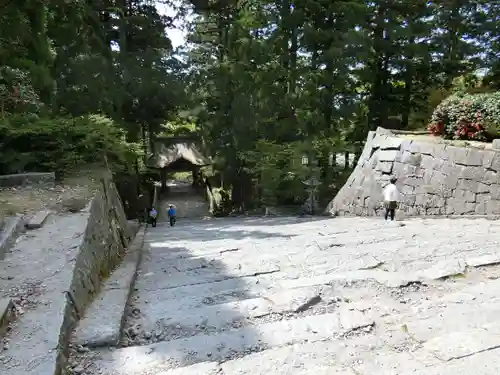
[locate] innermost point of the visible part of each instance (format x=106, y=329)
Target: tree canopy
x=262, y=82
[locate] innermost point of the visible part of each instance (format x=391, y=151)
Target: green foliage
x=280, y=172
x=178, y=128
x=59, y=64
x=467, y=116
x=267, y=78
x=61, y=144
x=262, y=82
x=16, y=92
x=220, y=202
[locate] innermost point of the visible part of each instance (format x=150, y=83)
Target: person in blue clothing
x=152, y=215
x=171, y=215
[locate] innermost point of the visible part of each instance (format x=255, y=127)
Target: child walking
x=171, y=215
x=391, y=199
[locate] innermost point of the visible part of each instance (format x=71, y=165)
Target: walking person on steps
x=391, y=199
x=152, y=216
x=171, y=215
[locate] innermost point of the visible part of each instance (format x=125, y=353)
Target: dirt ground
x=70, y=194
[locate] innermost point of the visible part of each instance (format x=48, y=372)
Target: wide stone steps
x=187, y=206
x=297, y=296
x=219, y=347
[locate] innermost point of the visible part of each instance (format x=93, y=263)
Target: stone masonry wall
x=103, y=245
x=433, y=178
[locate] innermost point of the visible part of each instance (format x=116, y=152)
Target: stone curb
x=139, y=246
x=410, y=217
x=6, y=314
x=469, y=217
x=94, y=332
x=13, y=227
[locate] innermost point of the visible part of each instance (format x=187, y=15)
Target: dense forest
x=262, y=82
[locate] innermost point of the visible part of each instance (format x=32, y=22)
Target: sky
x=176, y=35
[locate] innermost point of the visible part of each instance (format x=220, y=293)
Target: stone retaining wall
x=433, y=178
x=28, y=179
x=107, y=235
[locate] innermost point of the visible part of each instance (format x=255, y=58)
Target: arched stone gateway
x=176, y=154
x=180, y=154
x=433, y=178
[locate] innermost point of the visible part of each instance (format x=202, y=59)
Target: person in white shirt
x=391, y=199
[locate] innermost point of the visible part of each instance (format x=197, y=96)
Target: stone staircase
x=189, y=203
x=294, y=296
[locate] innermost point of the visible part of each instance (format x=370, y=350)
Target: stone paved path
x=288, y=296
x=35, y=274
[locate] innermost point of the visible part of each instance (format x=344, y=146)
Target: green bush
x=467, y=116
x=29, y=143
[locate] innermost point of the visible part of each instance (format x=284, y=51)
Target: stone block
x=481, y=208
x=495, y=144
x=494, y=192
x=413, y=181
x=407, y=189
x=387, y=155
x=450, y=169
x=409, y=200
x=485, y=260
x=427, y=162
x=384, y=167
x=474, y=157
x=28, y=179
x=445, y=191
x=458, y=155
x=411, y=159
x=440, y=152
x=464, y=343
x=481, y=198
x=493, y=207
x=466, y=195
x=406, y=145
x=495, y=163
x=37, y=221
x=421, y=200
x=372, y=161
x=438, y=178
x=472, y=173
x=419, y=172
x=410, y=170
x=102, y=321
x=438, y=164
x=387, y=142
x=415, y=147
x=468, y=185
x=483, y=188
x=427, y=148
x=459, y=206
x=427, y=177
x=488, y=157
x=443, y=269
x=436, y=210
x=13, y=226
x=6, y=313
x=490, y=177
